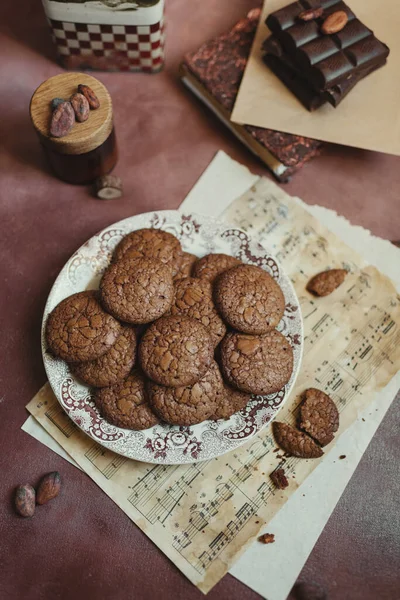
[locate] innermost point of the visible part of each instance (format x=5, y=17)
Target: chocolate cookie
x=125, y=404
x=193, y=298
x=188, y=405
x=260, y=364
x=294, y=442
x=326, y=282
x=249, y=299
x=176, y=351
x=185, y=269
x=137, y=290
x=212, y=265
x=78, y=329
x=113, y=366
x=319, y=416
x=230, y=403
x=151, y=243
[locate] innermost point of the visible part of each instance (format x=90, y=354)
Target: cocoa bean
x=334, y=23
x=311, y=14
x=56, y=102
x=89, y=95
x=25, y=500
x=48, y=488
x=81, y=107
x=62, y=120
x=326, y=282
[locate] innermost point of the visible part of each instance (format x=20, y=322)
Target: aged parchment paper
x=226, y=498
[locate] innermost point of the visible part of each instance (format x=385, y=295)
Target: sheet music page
x=205, y=515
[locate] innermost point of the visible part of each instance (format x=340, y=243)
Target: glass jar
x=89, y=150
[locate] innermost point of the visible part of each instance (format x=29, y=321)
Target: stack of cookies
x=171, y=337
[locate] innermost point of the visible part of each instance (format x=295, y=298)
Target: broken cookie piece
x=279, y=479
x=267, y=538
x=326, y=282
x=319, y=416
x=294, y=442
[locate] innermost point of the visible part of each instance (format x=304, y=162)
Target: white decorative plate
x=166, y=444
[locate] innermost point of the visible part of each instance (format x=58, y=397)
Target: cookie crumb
x=279, y=479
x=342, y=456
x=267, y=538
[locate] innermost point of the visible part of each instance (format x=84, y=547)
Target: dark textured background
x=83, y=546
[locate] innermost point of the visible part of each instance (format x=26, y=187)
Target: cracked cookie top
x=193, y=298
x=257, y=364
x=113, y=366
x=78, y=329
x=137, y=290
x=188, y=405
x=151, y=243
x=125, y=404
x=249, y=299
x=176, y=351
x=210, y=266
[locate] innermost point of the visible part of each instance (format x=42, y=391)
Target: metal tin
x=108, y=35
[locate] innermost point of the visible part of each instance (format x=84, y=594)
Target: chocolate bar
x=316, y=66
x=214, y=73
x=291, y=75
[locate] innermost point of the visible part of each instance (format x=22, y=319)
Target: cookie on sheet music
x=318, y=416
x=114, y=366
x=125, y=404
x=295, y=442
x=210, y=266
x=249, y=299
x=188, y=405
x=256, y=364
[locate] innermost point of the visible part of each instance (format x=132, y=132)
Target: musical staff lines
x=232, y=490
x=60, y=419
x=160, y=507
x=105, y=461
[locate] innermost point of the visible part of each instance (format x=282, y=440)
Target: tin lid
x=83, y=137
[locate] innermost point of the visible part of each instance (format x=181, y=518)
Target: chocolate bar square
x=315, y=65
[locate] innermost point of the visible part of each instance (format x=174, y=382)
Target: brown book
x=214, y=73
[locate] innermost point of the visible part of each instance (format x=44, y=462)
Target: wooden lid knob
x=83, y=137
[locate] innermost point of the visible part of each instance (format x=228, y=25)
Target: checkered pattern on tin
x=127, y=47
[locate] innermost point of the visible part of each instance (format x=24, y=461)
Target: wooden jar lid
x=83, y=137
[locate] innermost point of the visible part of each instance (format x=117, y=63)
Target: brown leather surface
x=82, y=546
